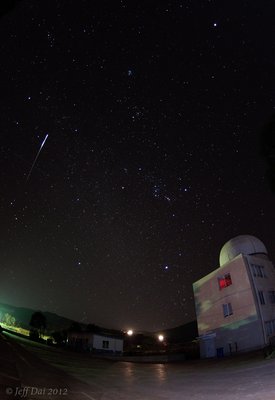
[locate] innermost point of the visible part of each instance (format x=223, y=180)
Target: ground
x=43, y=372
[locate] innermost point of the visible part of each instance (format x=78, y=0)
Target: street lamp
x=161, y=338
x=130, y=332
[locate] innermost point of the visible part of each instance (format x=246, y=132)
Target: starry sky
x=130, y=152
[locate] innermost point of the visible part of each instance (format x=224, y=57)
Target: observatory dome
x=245, y=244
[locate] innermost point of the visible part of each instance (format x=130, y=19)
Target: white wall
x=115, y=344
x=243, y=329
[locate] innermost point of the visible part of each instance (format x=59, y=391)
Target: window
x=105, y=344
x=227, y=309
x=258, y=270
x=224, y=281
x=261, y=297
x=271, y=295
x=270, y=327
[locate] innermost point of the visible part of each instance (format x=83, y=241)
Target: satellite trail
x=37, y=155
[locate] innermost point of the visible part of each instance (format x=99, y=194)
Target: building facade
x=235, y=304
x=94, y=342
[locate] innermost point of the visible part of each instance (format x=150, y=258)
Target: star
x=136, y=185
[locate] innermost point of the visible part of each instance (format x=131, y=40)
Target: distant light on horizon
x=161, y=338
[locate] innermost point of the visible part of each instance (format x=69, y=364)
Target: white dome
x=243, y=244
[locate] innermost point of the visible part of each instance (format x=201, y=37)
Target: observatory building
x=235, y=304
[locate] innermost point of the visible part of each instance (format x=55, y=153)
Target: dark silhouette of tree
x=38, y=323
x=268, y=150
x=60, y=337
x=34, y=334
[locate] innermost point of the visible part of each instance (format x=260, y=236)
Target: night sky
x=154, y=113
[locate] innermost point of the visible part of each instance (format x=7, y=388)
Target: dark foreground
x=34, y=371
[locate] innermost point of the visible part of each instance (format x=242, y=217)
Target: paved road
x=80, y=377
x=24, y=375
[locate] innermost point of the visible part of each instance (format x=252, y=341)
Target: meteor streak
x=37, y=155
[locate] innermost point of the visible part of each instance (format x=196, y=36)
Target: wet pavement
x=78, y=376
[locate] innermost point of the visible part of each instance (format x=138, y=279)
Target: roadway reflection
x=129, y=372
x=160, y=372
x=157, y=373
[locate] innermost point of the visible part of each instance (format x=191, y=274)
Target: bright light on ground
x=22, y=331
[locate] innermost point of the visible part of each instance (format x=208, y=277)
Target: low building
x=235, y=304
x=95, y=342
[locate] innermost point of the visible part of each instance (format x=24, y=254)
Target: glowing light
x=161, y=338
x=130, y=332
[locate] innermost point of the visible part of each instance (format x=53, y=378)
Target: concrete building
x=95, y=342
x=235, y=304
